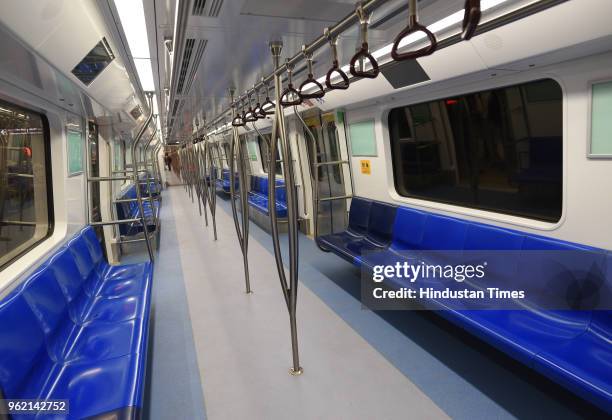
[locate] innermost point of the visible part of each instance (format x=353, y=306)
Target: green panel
x=601, y=119
x=252, y=150
x=75, y=152
x=363, y=139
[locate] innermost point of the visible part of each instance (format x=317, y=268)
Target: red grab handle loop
x=413, y=27
x=343, y=85
x=364, y=53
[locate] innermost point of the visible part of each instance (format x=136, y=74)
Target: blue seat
x=131, y=210
x=258, y=196
x=59, y=341
x=572, y=346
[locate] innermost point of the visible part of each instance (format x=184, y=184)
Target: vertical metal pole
x=136, y=180
x=212, y=195
x=242, y=232
x=279, y=133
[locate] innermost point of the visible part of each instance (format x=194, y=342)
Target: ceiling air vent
x=207, y=8
x=175, y=108
x=194, y=49
x=136, y=112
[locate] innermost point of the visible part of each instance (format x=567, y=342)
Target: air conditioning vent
x=175, y=108
x=193, y=49
x=136, y=112
x=207, y=8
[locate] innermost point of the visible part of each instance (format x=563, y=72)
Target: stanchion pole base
x=294, y=372
x=249, y=292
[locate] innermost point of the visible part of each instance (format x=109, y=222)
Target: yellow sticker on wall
x=365, y=167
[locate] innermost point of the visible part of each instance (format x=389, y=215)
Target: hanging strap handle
x=471, y=18
x=267, y=107
x=289, y=93
x=363, y=53
x=238, y=120
x=310, y=80
x=335, y=69
x=257, y=109
x=413, y=27
x=250, y=115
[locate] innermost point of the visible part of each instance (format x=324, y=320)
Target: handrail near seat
x=413, y=27
x=363, y=53
x=289, y=288
x=242, y=231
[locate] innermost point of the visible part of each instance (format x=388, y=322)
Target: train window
x=26, y=213
x=498, y=150
x=601, y=123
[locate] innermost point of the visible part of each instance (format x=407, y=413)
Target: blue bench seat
x=77, y=329
x=131, y=210
x=224, y=182
x=573, y=347
x=258, y=196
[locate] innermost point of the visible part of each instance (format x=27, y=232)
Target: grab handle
x=310, y=80
x=471, y=19
x=267, y=107
x=363, y=53
x=413, y=27
x=335, y=69
x=289, y=93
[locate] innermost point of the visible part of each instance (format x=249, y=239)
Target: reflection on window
x=498, y=150
x=25, y=197
x=264, y=152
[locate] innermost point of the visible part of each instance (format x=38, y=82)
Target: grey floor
x=219, y=353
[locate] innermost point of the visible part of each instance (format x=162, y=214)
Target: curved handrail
x=363, y=53
x=290, y=91
x=413, y=27
x=320, y=92
x=471, y=19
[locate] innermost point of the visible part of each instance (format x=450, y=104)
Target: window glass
x=601, y=123
x=25, y=193
x=498, y=150
x=264, y=153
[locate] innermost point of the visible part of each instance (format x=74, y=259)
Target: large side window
x=264, y=153
x=26, y=215
x=498, y=150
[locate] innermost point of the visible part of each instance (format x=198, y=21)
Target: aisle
x=242, y=341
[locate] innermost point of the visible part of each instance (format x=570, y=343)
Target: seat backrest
x=408, y=229
x=263, y=185
x=78, y=247
x=359, y=215
x=93, y=245
x=380, y=223
x=281, y=194
x=443, y=233
x=21, y=343
x=46, y=300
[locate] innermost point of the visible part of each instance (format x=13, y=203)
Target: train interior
x=229, y=209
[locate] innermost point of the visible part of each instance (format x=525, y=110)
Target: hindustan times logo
x=411, y=272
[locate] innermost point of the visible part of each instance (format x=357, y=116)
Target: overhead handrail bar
x=363, y=53
x=290, y=288
x=413, y=27
x=310, y=80
x=290, y=96
x=471, y=18
x=242, y=231
x=335, y=69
